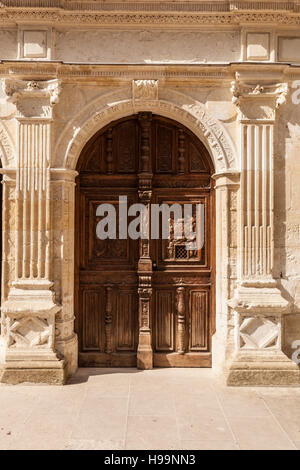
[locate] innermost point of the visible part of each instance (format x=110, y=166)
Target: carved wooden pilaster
x=180, y=307
x=144, y=357
x=108, y=320
x=145, y=290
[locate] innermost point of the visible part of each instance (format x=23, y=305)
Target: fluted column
x=28, y=342
x=32, y=257
x=259, y=303
x=257, y=239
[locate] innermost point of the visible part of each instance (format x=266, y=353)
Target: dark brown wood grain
x=163, y=156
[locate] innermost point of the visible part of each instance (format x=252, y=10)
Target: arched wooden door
x=146, y=302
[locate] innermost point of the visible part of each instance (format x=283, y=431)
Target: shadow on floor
x=82, y=375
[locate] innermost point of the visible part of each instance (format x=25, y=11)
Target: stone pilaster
x=63, y=225
x=258, y=301
x=227, y=185
x=28, y=314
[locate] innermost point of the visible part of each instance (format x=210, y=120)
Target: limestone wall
x=227, y=72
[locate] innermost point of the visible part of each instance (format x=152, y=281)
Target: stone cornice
x=150, y=13
x=206, y=74
x=119, y=73
x=200, y=6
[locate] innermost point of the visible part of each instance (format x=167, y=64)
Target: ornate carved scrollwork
x=145, y=292
x=145, y=90
x=257, y=101
x=32, y=98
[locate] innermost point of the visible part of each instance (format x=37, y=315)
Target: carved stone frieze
x=146, y=90
x=208, y=13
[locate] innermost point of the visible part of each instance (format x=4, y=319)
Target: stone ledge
x=54, y=374
x=274, y=369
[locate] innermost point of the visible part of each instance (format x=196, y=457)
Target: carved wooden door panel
x=144, y=302
x=182, y=277
x=107, y=303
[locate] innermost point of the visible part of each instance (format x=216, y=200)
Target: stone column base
x=263, y=369
x=52, y=373
x=27, y=349
x=68, y=349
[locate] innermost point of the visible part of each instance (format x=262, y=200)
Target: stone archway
x=91, y=119
x=174, y=105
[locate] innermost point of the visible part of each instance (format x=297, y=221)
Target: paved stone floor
x=158, y=409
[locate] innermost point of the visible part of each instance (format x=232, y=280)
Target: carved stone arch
x=188, y=112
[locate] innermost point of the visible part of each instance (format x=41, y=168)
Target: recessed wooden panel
x=164, y=323
x=198, y=320
x=196, y=161
x=164, y=149
x=94, y=157
x=125, y=146
x=92, y=319
x=126, y=326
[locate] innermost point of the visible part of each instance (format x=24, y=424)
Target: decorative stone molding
x=145, y=90
x=34, y=42
x=259, y=333
x=88, y=5
x=7, y=150
x=139, y=13
x=97, y=5
x=33, y=99
x=258, y=101
x=171, y=104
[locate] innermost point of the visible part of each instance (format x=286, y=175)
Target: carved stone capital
x=145, y=90
x=33, y=99
x=259, y=297
x=258, y=101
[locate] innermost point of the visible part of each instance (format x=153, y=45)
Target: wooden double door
x=146, y=301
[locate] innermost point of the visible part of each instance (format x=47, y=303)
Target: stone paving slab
x=159, y=409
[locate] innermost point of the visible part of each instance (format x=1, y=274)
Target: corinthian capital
x=258, y=100
x=33, y=99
